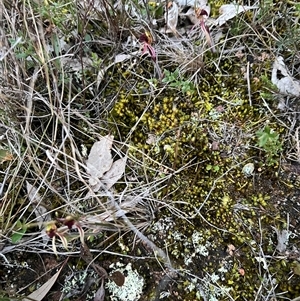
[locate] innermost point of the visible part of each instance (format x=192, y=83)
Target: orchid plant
x=68, y=223
x=146, y=41
x=202, y=16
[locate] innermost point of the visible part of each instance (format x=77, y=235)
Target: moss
x=206, y=138
x=215, y=6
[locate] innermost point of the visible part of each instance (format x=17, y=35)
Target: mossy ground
x=188, y=138
x=205, y=144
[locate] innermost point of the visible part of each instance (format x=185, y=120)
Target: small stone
x=248, y=169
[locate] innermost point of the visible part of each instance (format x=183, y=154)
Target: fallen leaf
x=171, y=16
x=286, y=84
x=118, y=278
x=100, y=159
x=121, y=57
x=115, y=173
x=41, y=292
x=229, y=11
x=101, y=167
x=100, y=294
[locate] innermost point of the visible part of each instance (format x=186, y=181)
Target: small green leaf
x=17, y=236
x=159, y=12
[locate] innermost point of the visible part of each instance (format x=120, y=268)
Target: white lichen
x=162, y=227
x=202, y=250
x=178, y=236
x=214, y=277
x=75, y=284
x=132, y=288
x=189, y=259
x=200, y=244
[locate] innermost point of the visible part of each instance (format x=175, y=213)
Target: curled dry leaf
x=229, y=11
x=171, y=16
x=286, y=84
